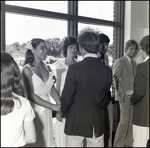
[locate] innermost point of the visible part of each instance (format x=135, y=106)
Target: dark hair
x=29, y=57
x=103, y=38
x=70, y=40
x=10, y=83
x=144, y=43
x=130, y=43
x=89, y=41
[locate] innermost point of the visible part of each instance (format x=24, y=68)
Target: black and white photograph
x=75, y=73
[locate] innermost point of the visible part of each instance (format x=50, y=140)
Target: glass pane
x=101, y=29
x=56, y=6
x=97, y=9
x=21, y=28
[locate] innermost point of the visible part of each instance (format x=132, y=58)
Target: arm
x=140, y=85
x=106, y=59
x=28, y=124
x=55, y=95
x=27, y=74
x=54, y=78
x=67, y=97
x=29, y=132
x=107, y=98
x=117, y=72
x=58, y=75
x=59, y=71
x=117, y=69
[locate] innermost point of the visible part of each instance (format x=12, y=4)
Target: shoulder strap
x=48, y=67
x=29, y=68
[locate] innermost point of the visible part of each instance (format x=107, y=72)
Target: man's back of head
x=89, y=41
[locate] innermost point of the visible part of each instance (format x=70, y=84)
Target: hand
x=58, y=117
x=112, y=92
x=54, y=79
x=55, y=107
x=129, y=92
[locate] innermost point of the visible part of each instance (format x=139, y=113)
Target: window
x=57, y=19
x=97, y=9
x=24, y=20
x=103, y=29
x=56, y=6
x=22, y=28
x=106, y=30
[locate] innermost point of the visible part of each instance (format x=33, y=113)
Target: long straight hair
x=10, y=83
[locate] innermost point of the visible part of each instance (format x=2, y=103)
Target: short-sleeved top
x=12, y=131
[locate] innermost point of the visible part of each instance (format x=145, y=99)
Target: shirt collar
x=146, y=58
x=129, y=59
x=93, y=55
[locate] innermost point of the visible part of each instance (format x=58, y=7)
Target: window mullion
x=2, y=25
x=72, y=23
x=119, y=35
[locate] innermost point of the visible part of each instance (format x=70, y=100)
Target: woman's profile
x=39, y=86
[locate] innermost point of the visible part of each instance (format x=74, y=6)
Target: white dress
x=12, y=131
x=60, y=72
x=43, y=119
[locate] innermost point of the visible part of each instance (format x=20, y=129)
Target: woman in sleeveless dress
x=39, y=84
x=70, y=50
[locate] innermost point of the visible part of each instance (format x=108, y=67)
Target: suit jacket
x=140, y=97
x=84, y=97
x=123, y=78
x=106, y=60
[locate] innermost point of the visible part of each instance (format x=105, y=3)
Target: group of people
x=82, y=94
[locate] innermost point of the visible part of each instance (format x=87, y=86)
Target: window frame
x=73, y=19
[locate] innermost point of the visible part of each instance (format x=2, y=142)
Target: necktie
x=132, y=66
x=102, y=58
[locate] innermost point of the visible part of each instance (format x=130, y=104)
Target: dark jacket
x=84, y=96
x=140, y=97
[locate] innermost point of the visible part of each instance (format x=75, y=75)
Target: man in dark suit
x=102, y=53
x=123, y=77
x=140, y=99
x=84, y=95
x=104, y=42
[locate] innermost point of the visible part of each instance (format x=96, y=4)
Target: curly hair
x=70, y=40
x=144, y=43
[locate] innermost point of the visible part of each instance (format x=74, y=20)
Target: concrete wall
x=136, y=20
